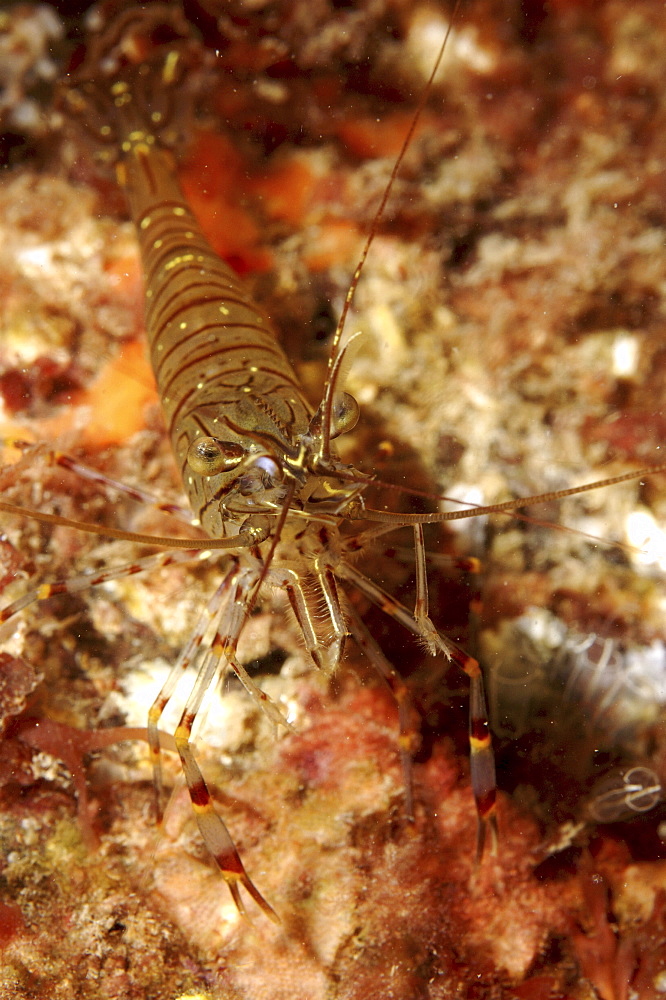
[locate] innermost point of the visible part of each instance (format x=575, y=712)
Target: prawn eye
x=207, y=456
x=346, y=412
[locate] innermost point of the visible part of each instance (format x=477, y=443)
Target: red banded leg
x=482, y=761
x=216, y=660
x=50, y=456
x=482, y=758
x=209, y=619
x=225, y=643
x=213, y=830
x=133, y=492
x=94, y=578
x=223, y=616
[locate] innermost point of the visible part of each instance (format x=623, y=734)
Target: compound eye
x=208, y=456
x=346, y=412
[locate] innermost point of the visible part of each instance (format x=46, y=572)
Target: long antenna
x=324, y=415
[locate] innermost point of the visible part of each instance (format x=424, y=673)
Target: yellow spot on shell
x=180, y=259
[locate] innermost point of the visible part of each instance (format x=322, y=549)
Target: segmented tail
x=220, y=371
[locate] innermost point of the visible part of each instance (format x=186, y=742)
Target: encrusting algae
x=513, y=303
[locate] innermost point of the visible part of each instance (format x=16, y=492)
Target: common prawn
x=259, y=466
x=342, y=488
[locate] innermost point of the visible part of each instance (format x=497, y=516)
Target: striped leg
x=216, y=660
x=213, y=830
x=482, y=758
x=94, y=578
x=482, y=761
x=209, y=619
x=227, y=606
x=225, y=643
x=51, y=456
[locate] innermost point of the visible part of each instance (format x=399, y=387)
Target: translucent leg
x=482, y=760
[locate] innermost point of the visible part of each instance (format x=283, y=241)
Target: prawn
x=258, y=463
x=259, y=467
